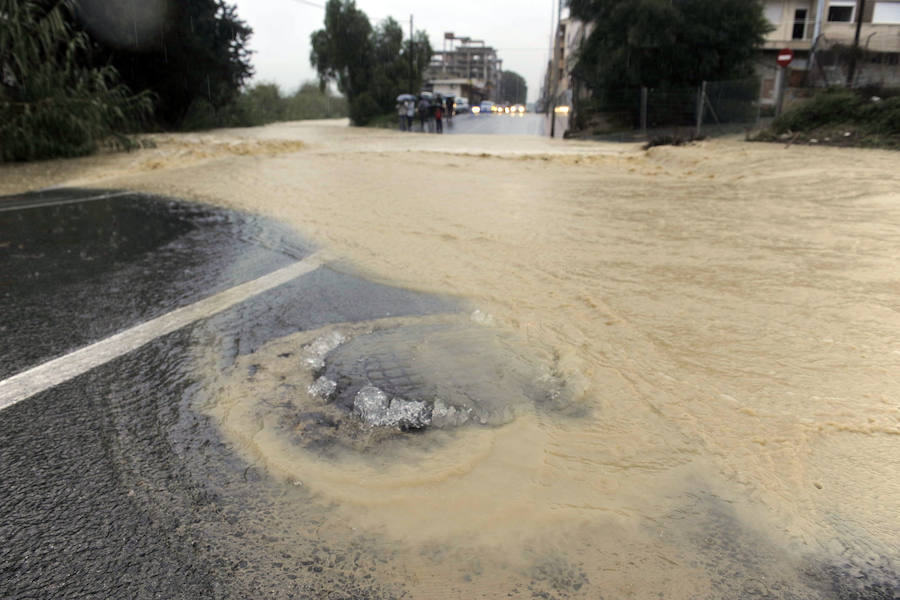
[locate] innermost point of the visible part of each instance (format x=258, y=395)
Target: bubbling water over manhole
x=420, y=375
x=358, y=386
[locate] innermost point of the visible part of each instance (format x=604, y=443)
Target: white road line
x=33, y=381
x=61, y=201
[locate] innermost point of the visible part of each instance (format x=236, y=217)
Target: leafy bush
x=831, y=107
x=884, y=116
x=264, y=103
x=840, y=106
x=310, y=102
x=363, y=109
x=50, y=103
x=202, y=115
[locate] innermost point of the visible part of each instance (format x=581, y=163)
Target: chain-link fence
x=633, y=113
x=871, y=69
x=873, y=64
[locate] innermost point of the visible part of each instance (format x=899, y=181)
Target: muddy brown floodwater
x=726, y=314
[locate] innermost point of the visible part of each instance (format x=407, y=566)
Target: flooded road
x=502, y=124
x=723, y=319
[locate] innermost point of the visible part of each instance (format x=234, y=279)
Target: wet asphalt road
x=77, y=272
x=111, y=486
x=496, y=124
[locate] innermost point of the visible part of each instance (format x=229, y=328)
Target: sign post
x=783, y=59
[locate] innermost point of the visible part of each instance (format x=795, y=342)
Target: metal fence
x=633, y=113
x=871, y=64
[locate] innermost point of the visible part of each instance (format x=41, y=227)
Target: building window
x=841, y=11
x=799, y=31
x=886, y=12
x=773, y=12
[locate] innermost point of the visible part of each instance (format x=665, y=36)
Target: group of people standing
x=431, y=109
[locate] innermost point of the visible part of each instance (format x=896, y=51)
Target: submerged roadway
x=113, y=482
x=524, y=124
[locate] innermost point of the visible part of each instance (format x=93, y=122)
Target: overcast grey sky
x=520, y=30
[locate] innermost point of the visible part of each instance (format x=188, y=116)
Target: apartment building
x=559, y=85
x=818, y=30
x=465, y=68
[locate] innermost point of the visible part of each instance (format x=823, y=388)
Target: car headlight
x=476, y=110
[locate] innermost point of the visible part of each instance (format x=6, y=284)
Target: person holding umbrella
x=403, y=102
x=410, y=112
x=450, y=101
x=424, y=111
x=438, y=108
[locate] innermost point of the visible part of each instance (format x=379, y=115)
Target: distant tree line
x=370, y=65
x=78, y=74
x=266, y=103
x=513, y=88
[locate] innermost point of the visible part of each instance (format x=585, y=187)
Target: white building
x=471, y=70
x=807, y=26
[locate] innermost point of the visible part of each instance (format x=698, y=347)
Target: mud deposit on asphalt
x=727, y=315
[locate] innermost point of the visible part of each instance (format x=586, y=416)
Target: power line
x=308, y=3
x=322, y=6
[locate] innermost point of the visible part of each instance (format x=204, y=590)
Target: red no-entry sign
x=785, y=57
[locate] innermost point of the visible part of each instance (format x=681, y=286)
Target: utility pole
x=412, y=54
x=549, y=81
x=817, y=31
x=851, y=68
x=553, y=66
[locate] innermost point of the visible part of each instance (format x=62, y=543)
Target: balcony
x=797, y=35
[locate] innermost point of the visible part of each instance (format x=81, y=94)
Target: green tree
x=342, y=52
x=421, y=58
x=513, y=88
x=310, y=102
x=51, y=103
x=265, y=103
x=391, y=73
x=191, y=54
x=388, y=68
x=262, y=104
x=667, y=43
x=371, y=66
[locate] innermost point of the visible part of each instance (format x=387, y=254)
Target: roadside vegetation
x=266, y=103
x=78, y=77
x=840, y=117
x=52, y=102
